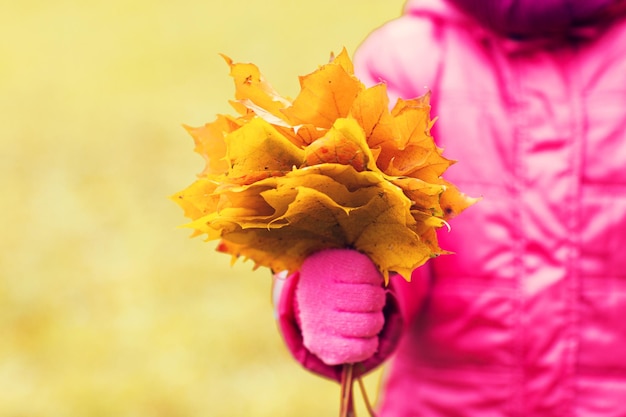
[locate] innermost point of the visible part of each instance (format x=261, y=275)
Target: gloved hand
x=340, y=297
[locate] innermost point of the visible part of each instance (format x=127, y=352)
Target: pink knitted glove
x=340, y=296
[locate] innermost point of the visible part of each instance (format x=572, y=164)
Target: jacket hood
x=524, y=18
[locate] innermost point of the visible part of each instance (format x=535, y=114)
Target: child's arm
x=334, y=330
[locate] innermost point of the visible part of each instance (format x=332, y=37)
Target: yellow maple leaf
x=326, y=95
x=209, y=140
x=343, y=144
x=333, y=168
x=371, y=110
x=198, y=200
x=257, y=150
x=251, y=89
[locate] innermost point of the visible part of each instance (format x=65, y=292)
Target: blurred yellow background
x=106, y=308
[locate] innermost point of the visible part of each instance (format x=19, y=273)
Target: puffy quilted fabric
x=528, y=317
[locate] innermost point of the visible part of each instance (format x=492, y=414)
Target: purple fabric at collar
x=532, y=18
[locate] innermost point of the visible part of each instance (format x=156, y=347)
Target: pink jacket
x=528, y=317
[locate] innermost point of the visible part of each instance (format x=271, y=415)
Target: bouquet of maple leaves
x=333, y=168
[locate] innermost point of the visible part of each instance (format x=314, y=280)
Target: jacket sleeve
x=405, y=54
x=404, y=301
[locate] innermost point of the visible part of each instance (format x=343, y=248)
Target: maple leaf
x=198, y=200
x=253, y=91
x=257, y=150
x=334, y=168
x=371, y=110
x=343, y=144
x=326, y=94
x=209, y=140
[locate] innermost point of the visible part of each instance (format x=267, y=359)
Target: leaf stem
x=347, y=383
x=366, y=400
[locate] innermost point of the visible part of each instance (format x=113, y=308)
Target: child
x=526, y=318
